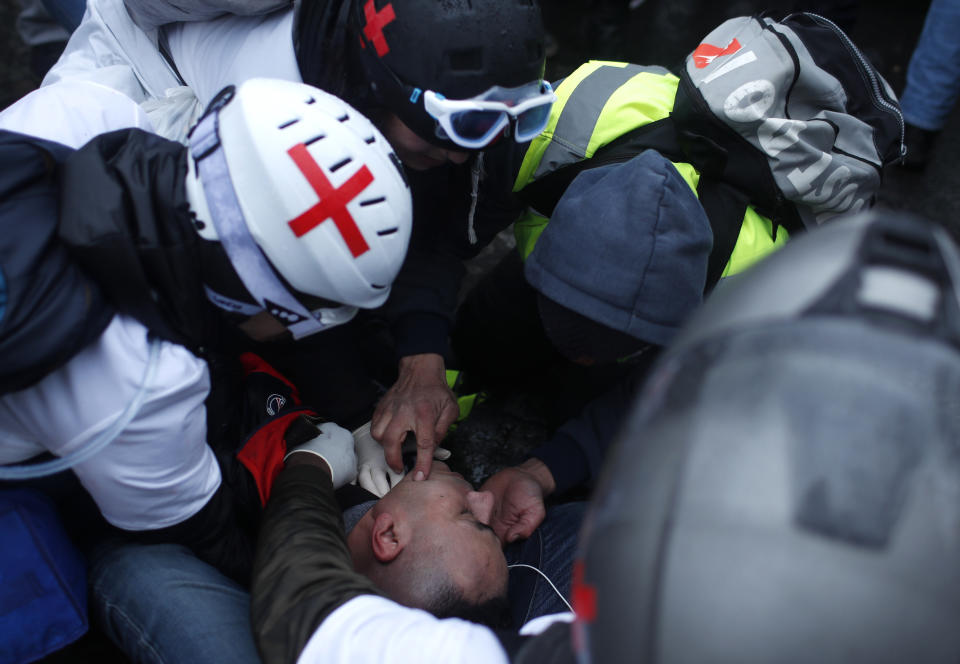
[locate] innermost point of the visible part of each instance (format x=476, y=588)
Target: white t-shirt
x=379, y=631
x=211, y=55
x=159, y=471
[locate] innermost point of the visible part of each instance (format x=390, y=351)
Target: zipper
x=866, y=67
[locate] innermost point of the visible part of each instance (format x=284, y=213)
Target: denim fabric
x=933, y=77
x=550, y=549
x=162, y=605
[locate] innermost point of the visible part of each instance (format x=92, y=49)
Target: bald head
x=428, y=545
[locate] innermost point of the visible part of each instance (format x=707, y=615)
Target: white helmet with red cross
x=306, y=198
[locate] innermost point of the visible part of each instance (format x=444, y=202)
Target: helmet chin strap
x=245, y=255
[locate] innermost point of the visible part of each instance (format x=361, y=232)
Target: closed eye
x=482, y=527
x=479, y=525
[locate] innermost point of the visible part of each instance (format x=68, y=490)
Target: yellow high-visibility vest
x=598, y=103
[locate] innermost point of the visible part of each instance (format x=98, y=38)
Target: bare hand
x=421, y=402
x=519, y=492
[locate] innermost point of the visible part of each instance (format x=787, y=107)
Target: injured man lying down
x=425, y=544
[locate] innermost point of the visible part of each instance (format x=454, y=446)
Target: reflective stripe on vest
x=624, y=96
x=598, y=103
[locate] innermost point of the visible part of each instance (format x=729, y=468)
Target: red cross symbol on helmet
x=376, y=20
x=333, y=200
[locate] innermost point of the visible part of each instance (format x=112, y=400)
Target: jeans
x=162, y=605
x=550, y=549
x=933, y=77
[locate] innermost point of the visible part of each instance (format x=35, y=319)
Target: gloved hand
x=334, y=445
x=373, y=473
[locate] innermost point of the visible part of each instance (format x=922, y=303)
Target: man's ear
x=388, y=537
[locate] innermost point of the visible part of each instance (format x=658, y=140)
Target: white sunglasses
x=473, y=123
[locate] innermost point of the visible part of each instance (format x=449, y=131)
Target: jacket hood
x=627, y=246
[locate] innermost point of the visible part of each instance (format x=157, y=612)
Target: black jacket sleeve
x=213, y=534
x=458, y=210
x=303, y=570
x=575, y=453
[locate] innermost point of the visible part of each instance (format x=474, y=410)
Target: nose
x=481, y=505
x=457, y=157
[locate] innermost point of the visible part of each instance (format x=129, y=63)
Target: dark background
x=656, y=32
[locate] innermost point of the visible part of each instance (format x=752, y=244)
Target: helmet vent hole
x=288, y=123
x=340, y=164
x=466, y=60
x=311, y=100
x=314, y=139
x=370, y=140
x=373, y=201
x=399, y=166
x=378, y=286
x=386, y=231
x=343, y=118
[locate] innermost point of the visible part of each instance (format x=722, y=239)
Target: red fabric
x=584, y=595
x=333, y=201
x=263, y=453
x=253, y=363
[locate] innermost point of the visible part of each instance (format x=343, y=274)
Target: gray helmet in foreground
x=788, y=487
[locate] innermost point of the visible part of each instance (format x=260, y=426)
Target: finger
x=513, y=535
x=382, y=483
x=528, y=522
x=365, y=481
x=394, y=478
x=448, y=415
x=522, y=530
x=392, y=454
x=425, y=447
x=393, y=439
x=380, y=421
x=501, y=530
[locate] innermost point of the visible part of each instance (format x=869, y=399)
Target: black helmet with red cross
x=420, y=58
x=459, y=73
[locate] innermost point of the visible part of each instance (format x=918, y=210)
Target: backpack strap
x=725, y=207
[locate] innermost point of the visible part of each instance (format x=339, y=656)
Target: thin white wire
x=93, y=447
x=547, y=579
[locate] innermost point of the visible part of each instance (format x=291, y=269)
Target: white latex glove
x=373, y=473
x=333, y=444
